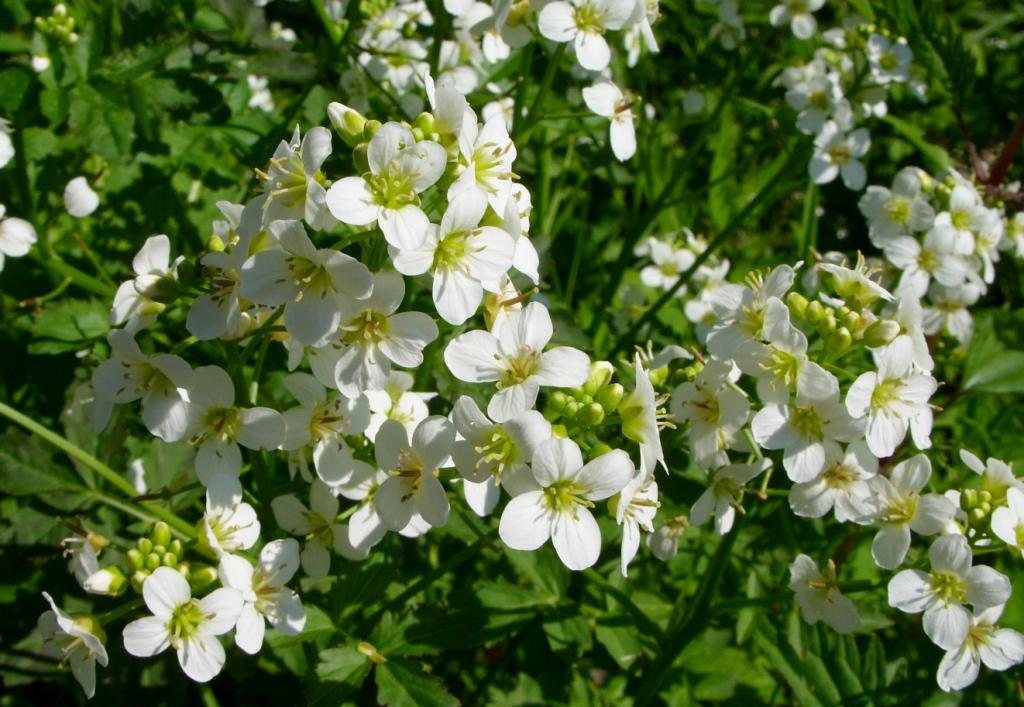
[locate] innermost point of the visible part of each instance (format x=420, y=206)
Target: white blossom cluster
x=943, y=241
x=845, y=85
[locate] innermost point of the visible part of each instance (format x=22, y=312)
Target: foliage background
x=153, y=98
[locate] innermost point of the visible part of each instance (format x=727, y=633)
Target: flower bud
x=797, y=304
x=152, y=561
x=202, y=576
x=599, y=449
x=136, y=560
x=977, y=515
x=161, y=534
x=145, y=545
x=138, y=579
x=881, y=333
x=592, y=414
x=348, y=123
x=815, y=312
x=600, y=373
x=851, y=320
x=109, y=581
x=169, y=559
x=176, y=547
x=359, y=159
x=840, y=340
x=159, y=288
x=559, y=431
x=370, y=129
x=425, y=124
x=216, y=244
x=557, y=401
x=610, y=396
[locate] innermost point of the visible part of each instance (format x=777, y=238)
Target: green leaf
x=343, y=665
x=936, y=159
x=568, y=632
x=722, y=199
x=27, y=468
x=104, y=122
x=788, y=666
x=620, y=639
x=992, y=367
x=400, y=684
x=68, y=325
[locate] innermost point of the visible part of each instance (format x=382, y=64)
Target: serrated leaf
x=343, y=665
x=400, y=684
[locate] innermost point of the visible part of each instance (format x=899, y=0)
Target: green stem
x=333, y=33
x=545, y=85
x=122, y=484
x=115, y=614
x=86, y=282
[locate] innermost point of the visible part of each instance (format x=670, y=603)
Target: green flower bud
x=159, y=288
x=138, y=578
x=370, y=129
x=202, y=576
x=850, y=320
x=797, y=304
x=815, y=312
x=152, y=561
x=176, y=547
x=348, y=123
x=161, y=534
x=159, y=549
x=424, y=123
x=600, y=374
x=559, y=431
x=592, y=414
x=968, y=499
x=145, y=545
x=610, y=396
x=841, y=339
x=109, y=581
x=359, y=158
x=136, y=560
x=557, y=401
x=881, y=332
x=169, y=559
x=977, y=515
x=215, y=244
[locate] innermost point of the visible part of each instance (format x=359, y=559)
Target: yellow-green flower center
x=949, y=587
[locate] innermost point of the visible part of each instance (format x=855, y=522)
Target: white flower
x=188, y=625
x=604, y=98
x=323, y=422
x=138, y=301
x=306, y=280
x=896, y=212
x=635, y=509
x=79, y=198
x=584, y=22
x=498, y=451
x=889, y=61
x=838, y=153
x=400, y=169
x=903, y=508
x=638, y=411
x=798, y=14
x=998, y=648
x=413, y=488
x=161, y=381
x=844, y=486
x=373, y=336
x=740, y=310
x=515, y=359
x=1008, y=520
x=261, y=97
x=264, y=593
x=365, y=527
x=228, y=524
x=315, y=524
x=220, y=313
x=911, y=339
x=942, y=594
x=935, y=257
x=293, y=184
x=397, y=402
x=559, y=508
x=78, y=642
x=781, y=364
x=818, y=595
x=485, y=162
x=218, y=426
x=726, y=485
x=807, y=430
x=664, y=542
x=893, y=399
x=948, y=310
x=670, y=263
x=16, y=235
x=966, y=215
x=818, y=96
x=711, y=409
x=729, y=29
x=463, y=257
x=996, y=475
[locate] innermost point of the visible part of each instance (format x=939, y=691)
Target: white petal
x=606, y=475
x=350, y=201
x=201, y=657
x=947, y=625
x=250, y=629
x=221, y=608
x=911, y=591
x=146, y=637
x=164, y=591
x=576, y=538
x=890, y=546
x=526, y=523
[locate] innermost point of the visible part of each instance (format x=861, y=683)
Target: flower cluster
x=840, y=89
x=943, y=242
